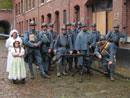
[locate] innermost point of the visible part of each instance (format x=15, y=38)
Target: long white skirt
x=17, y=69
x=9, y=61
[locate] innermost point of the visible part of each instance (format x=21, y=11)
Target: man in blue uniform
x=63, y=42
x=105, y=51
x=32, y=41
x=96, y=35
x=69, y=33
x=83, y=45
x=74, y=36
x=54, y=35
x=79, y=28
x=114, y=37
x=46, y=46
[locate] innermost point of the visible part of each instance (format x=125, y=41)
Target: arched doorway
x=4, y=26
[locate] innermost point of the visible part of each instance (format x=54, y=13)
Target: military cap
x=79, y=23
x=116, y=26
x=102, y=37
x=84, y=25
x=44, y=25
x=64, y=28
x=93, y=25
x=68, y=24
x=74, y=24
x=51, y=25
x=32, y=23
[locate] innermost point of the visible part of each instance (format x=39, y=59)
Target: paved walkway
x=97, y=86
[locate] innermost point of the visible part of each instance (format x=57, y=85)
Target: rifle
x=72, y=55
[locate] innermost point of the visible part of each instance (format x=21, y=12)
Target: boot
x=89, y=72
x=14, y=81
x=58, y=74
x=32, y=76
x=112, y=78
x=64, y=73
x=80, y=69
x=46, y=76
x=23, y=81
x=47, y=73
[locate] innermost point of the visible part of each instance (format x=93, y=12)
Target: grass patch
x=5, y=4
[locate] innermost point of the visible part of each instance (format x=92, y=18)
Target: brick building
x=6, y=20
x=104, y=13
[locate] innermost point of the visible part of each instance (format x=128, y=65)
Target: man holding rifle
x=105, y=51
x=114, y=37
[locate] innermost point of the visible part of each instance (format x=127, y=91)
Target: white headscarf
x=13, y=31
x=10, y=40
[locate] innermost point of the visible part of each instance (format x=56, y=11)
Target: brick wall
x=54, y=6
x=6, y=15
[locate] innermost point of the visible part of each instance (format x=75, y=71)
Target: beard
x=84, y=30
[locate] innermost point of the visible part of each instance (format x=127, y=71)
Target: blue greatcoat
x=47, y=43
x=74, y=36
x=107, y=55
x=70, y=59
x=83, y=41
x=115, y=37
x=63, y=42
x=33, y=53
x=54, y=36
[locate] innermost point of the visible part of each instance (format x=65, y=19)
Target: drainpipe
x=38, y=17
x=69, y=11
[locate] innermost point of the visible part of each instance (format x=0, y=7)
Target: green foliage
x=1, y=30
x=5, y=4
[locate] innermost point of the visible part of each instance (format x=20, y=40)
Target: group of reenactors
x=41, y=47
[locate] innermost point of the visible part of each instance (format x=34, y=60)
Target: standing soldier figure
x=46, y=46
x=96, y=35
x=63, y=42
x=32, y=42
x=79, y=26
x=74, y=36
x=105, y=52
x=114, y=37
x=69, y=33
x=83, y=45
x=54, y=35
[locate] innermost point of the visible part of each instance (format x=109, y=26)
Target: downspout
x=38, y=17
x=69, y=11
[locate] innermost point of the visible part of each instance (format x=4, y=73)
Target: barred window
x=102, y=5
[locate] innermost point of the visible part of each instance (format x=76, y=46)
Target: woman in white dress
x=17, y=67
x=14, y=35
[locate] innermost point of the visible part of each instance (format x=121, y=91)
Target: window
x=64, y=17
x=26, y=5
x=16, y=9
x=42, y=19
x=48, y=0
x=42, y=1
x=102, y=5
x=33, y=3
x=19, y=8
x=29, y=4
x=49, y=18
x=27, y=25
x=77, y=13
